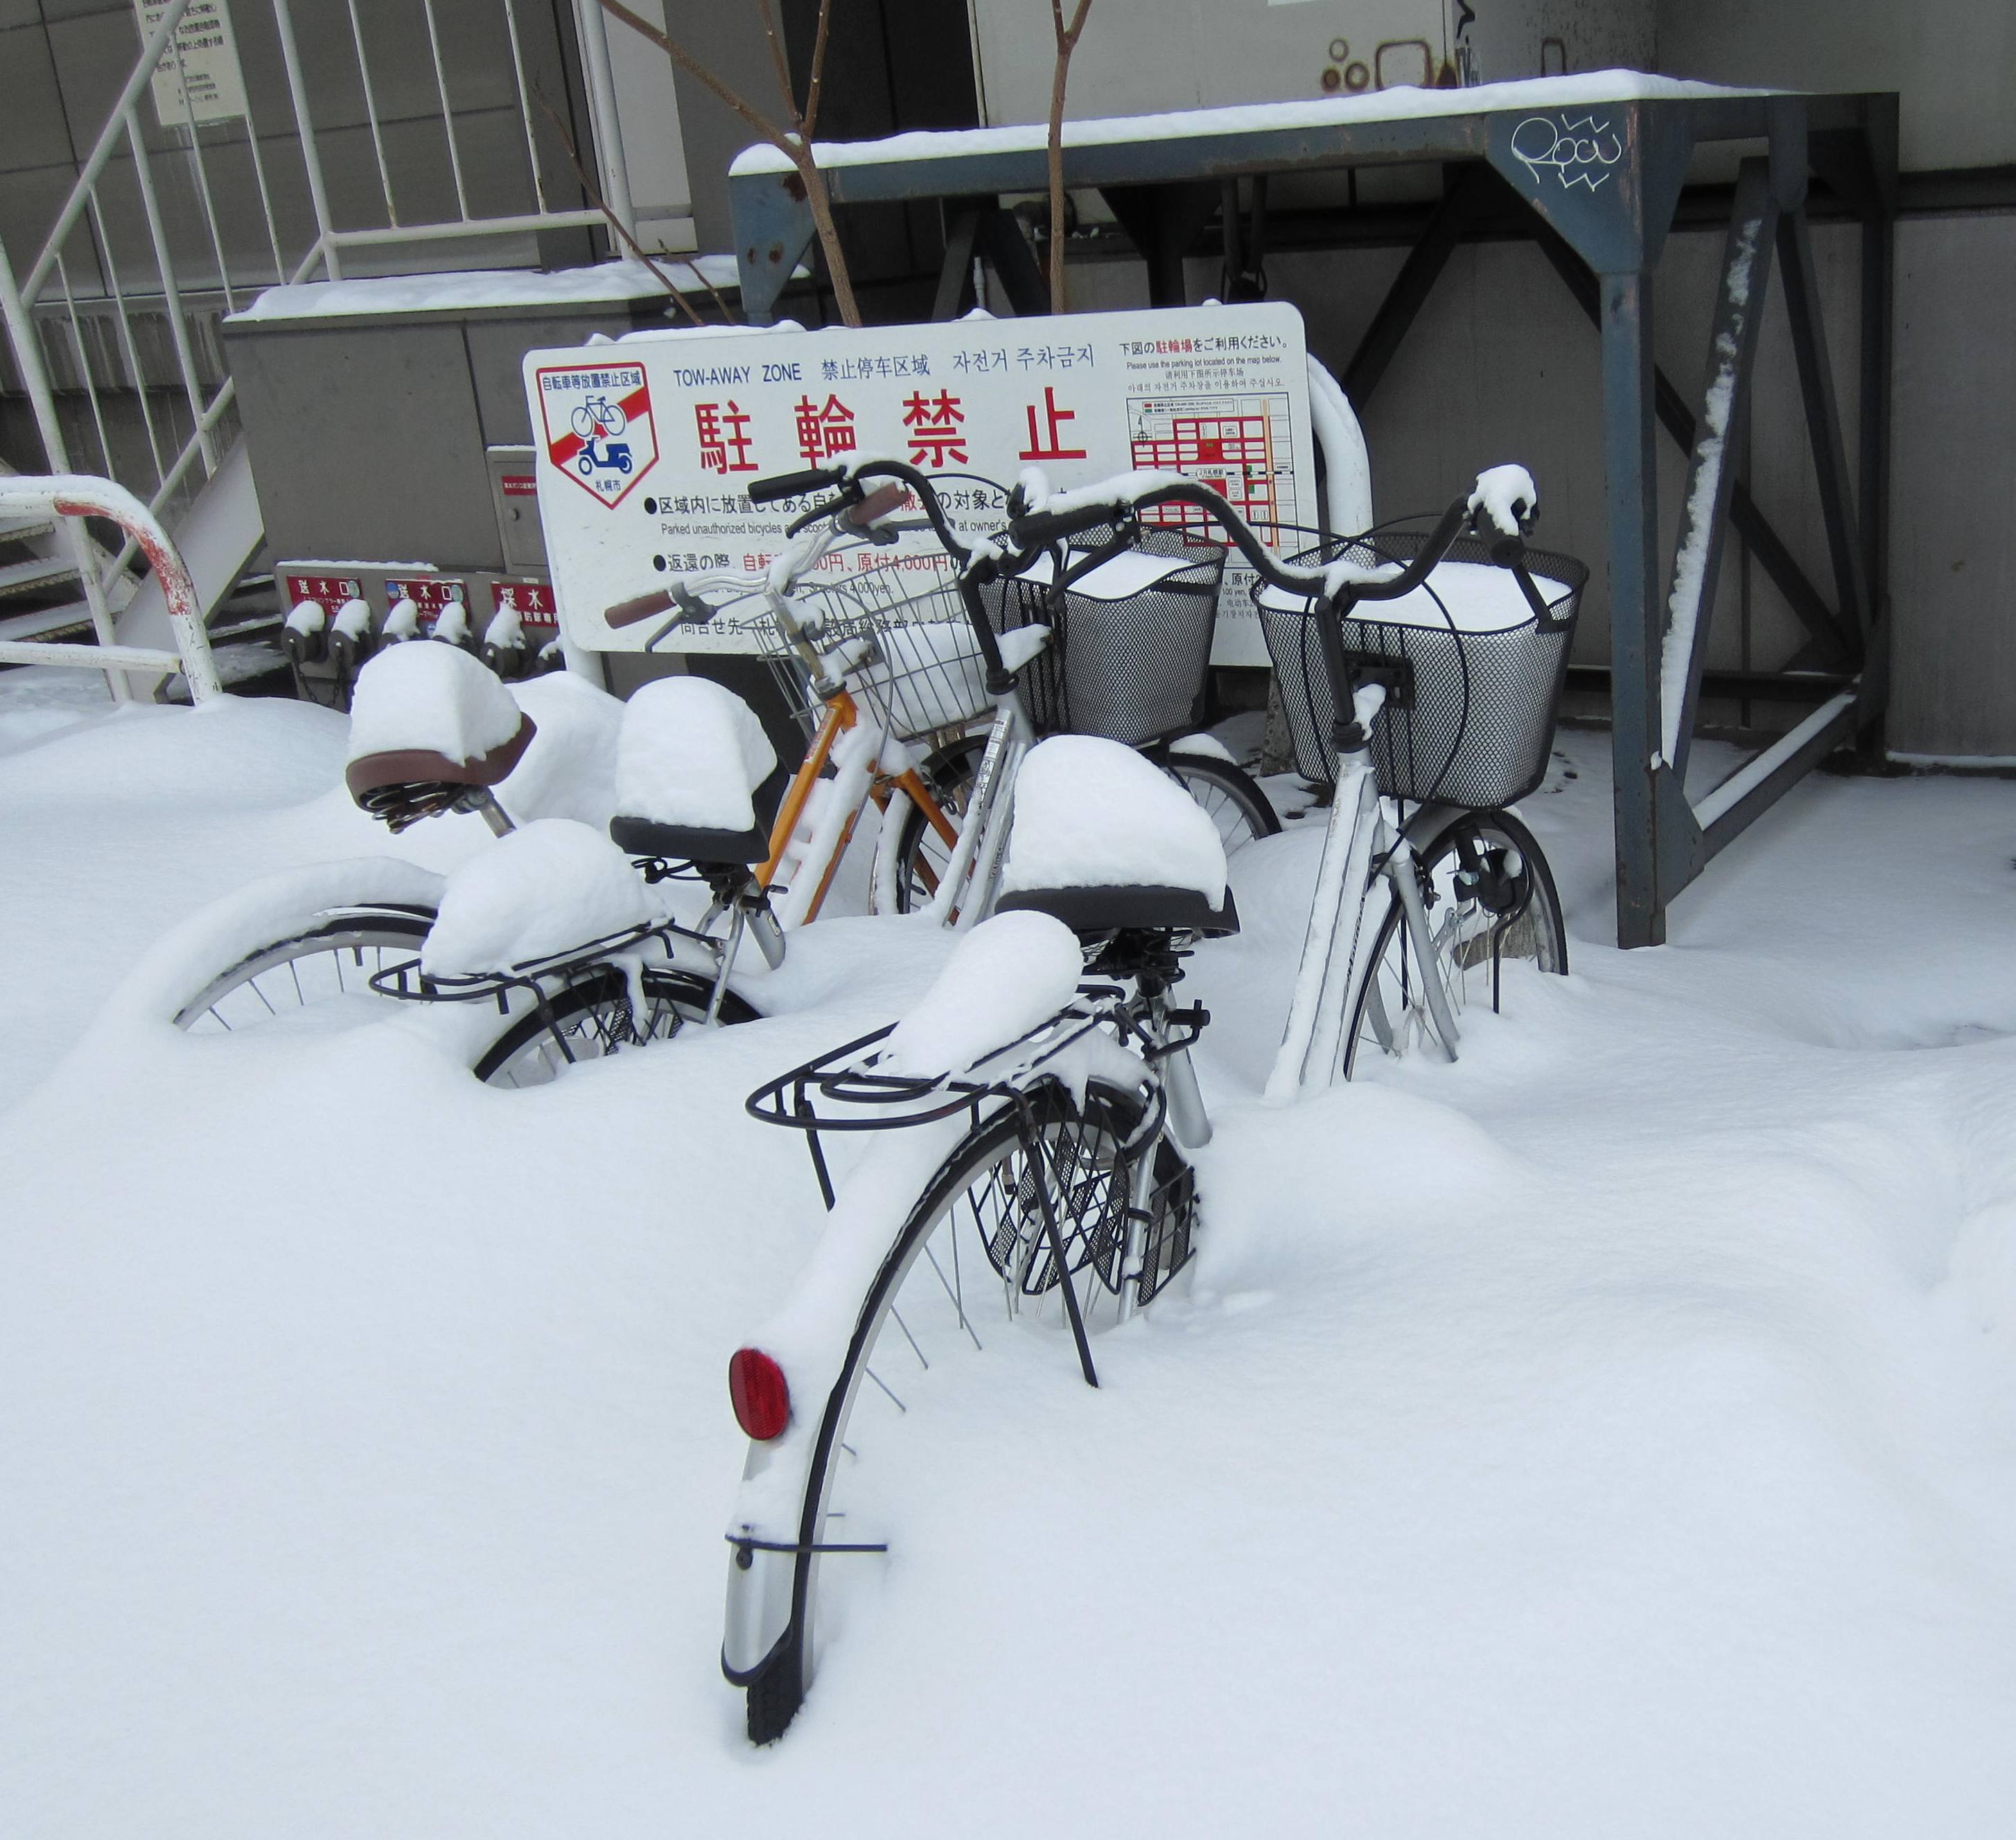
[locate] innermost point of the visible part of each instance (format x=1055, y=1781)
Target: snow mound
x=1457, y=596
x=435, y=697
x=1005, y=977
x=691, y=752
x=568, y=770
x=546, y=888
x=1092, y=814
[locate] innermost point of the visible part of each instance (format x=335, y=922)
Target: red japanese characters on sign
x=824, y=430
x=330, y=591
x=519, y=485
x=598, y=426
x=1048, y=445
x=722, y=431
x=936, y=436
x=531, y=601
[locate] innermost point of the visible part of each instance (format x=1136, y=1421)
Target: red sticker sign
x=330, y=591
x=597, y=425
x=431, y=595
x=531, y=601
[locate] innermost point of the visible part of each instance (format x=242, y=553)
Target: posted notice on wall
x=198, y=79
x=646, y=445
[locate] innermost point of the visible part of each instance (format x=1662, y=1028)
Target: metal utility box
x=514, y=497
x=369, y=406
x=1141, y=56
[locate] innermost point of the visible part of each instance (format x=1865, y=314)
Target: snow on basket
x=433, y=696
x=1092, y=814
x=543, y=889
x=691, y=752
x=1006, y=976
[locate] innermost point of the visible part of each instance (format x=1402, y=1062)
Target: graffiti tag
x=1578, y=153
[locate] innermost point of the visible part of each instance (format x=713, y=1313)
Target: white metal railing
x=110, y=321
x=76, y=497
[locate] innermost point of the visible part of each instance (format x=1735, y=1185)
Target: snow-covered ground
x=1614, y=1433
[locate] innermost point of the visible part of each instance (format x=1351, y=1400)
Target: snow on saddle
x=1104, y=840
x=697, y=779
x=429, y=723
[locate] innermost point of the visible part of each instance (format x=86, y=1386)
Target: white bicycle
x=1040, y=1105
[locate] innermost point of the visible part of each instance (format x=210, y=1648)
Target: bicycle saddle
x=425, y=714
x=697, y=779
x=1134, y=907
x=1104, y=840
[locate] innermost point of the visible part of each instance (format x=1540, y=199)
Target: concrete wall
x=1951, y=61
x=63, y=62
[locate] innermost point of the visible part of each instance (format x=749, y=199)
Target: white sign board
x=198, y=79
x=646, y=445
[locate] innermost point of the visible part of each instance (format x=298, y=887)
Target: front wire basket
x=898, y=635
x=1471, y=716
x=1126, y=663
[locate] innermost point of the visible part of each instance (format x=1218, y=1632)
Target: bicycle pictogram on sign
x=598, y=426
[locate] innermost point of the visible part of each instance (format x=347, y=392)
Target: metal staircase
x=110, y=331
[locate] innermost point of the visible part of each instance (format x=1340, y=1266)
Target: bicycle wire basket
x=1471, y=719
x=900, y=636
x=1130, y=644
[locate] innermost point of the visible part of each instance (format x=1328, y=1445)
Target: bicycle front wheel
x=973, y=1265
x=599, y=1014
x=1491, y=902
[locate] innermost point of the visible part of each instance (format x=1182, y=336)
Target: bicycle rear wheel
x=597, y=1015
x=972, y=1261
x=1509, y=914
x=329, y=958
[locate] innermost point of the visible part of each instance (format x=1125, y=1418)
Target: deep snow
x=1611, y=1434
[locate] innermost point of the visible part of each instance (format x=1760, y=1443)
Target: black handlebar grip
x=1035, y=528
x=795, y=485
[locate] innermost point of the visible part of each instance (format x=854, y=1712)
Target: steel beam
x=1732, y=352
x=1630, y=476
x=1474, y=187
x=1809, y=351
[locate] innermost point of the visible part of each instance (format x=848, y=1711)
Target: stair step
x=19, y=530
x=37, y=572
x=47, y=622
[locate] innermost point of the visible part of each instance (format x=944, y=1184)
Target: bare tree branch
x=1066, y=39
x=594, y=197
x=819, y=66
x=794, y=143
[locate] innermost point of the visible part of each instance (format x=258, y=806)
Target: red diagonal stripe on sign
x=637, y=403
x=565, y=448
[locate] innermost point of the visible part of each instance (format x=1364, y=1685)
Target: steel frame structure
x=1597, y=185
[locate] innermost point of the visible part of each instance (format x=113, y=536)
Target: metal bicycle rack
x=1597, y=185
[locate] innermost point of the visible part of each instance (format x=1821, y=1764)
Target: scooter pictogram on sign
x=598, y=426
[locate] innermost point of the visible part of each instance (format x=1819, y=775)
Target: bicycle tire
x=1014, y=1273
x=1226, y=792
x=595, y=1017
x=1392, y=1013
x=318, y=947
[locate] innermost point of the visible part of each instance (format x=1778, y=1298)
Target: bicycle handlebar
x=1038, y=528
x=794, y=485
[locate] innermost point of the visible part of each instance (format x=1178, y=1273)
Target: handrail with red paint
x=79, y=494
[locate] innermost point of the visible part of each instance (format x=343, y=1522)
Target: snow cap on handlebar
x=1508, y=497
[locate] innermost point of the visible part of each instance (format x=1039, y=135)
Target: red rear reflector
x=763, y=1400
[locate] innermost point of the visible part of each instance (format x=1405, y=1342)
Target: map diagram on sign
x=1238, y=445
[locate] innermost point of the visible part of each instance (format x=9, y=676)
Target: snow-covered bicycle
x=1038, y=1109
